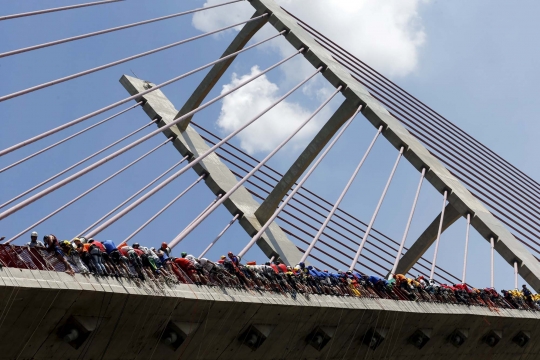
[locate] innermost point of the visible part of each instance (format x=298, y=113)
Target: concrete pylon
x=442, y=180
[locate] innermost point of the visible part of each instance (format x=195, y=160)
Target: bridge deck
x=126, y=320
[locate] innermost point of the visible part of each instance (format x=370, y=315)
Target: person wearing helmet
x=234, y=258
x=34, y=241
x=52, y=245
x=164, y=254
x=165, y=248
x=70, y=250
x=282, y=268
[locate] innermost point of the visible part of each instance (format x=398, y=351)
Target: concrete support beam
x=342, y=114
x=218, y=70
x=428, y=237
x=463, y=201
x=220, y=179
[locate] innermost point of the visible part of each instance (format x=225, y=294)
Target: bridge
x=47, y=313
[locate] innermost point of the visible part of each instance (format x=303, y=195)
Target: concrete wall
x=127, y=321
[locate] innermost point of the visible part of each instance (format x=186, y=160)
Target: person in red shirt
x=147, y=267
x=105, y=259
x=134, y=258
x=188, y=268
x=274, y=267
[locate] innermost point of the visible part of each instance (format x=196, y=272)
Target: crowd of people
x=89, y=256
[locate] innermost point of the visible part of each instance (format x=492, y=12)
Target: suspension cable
x=438, y=238
x=69, y=137
x=409, y=221
x=168, y=205
x=492, y=250
x=135, y=97
x=76, y=164
x=189, y=229
x=515, y=275
x=88, y=191
x=121, y=61
x=220, y=234
x=95, y=33
x=376, y=212
x=39, y=12
x=205, y=209
x=297, y=187
x=466, y=248
x=318, y=204
x=341, y=196
x=134, y=195
x=192, y=163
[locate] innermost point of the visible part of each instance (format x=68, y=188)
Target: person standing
x=34, y=241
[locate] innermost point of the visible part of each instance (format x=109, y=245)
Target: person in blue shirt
x=115, y=258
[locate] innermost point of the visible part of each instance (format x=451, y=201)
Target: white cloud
x=267, y=132
x=222, y=16
x=387, y=34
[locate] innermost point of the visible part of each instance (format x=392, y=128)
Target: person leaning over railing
x=73, y=256
x=52, y=246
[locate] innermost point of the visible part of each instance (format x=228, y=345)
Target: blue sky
x=473, y=62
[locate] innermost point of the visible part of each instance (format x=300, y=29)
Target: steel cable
x=121, y=61
x=298, y=186
x=69, y=137
x=45, y=11
x=162, y=210
x=207, y=152
x=318, y=203
x=100, y=32
x=512, y=171
x=133, y=196
x=376, y=212
x=233, y=220
x=135, y=97
x=426, y=110
x=341, y=196
x=186, y=231
x=88, y=191
x=76, y=164
x=487, y=198
x=137, y=142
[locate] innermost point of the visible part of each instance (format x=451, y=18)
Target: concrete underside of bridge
x=125, y=320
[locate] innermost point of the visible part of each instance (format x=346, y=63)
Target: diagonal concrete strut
x=270, y=204
x=217, y=71
x=220, y=179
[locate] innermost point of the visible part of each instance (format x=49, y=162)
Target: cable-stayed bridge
x=278, y=212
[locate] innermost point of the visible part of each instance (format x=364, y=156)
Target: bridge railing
x=25, y=257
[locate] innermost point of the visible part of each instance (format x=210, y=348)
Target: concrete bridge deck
x=125, y=320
